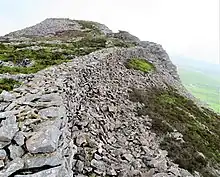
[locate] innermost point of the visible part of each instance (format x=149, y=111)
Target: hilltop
x=79, y=100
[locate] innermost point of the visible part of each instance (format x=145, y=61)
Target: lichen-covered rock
x=46, y=140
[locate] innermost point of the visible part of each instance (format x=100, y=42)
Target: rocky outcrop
x=75, y=119
x=52, y=26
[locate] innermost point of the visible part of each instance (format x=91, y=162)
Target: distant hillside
x=202, y=79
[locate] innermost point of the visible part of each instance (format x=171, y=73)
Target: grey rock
x=2, y=164
x=7, y=130
x=52, y=112
x=81, y=139
x=160, y=164
x=6, y=114
x=128, y=157
x=52, y=160
x=48, y=26
x=7, y=96
x=15, y=151
x=2, y=154
x=99, y=165
x=50, y=97
x=3, y=105
x=52, y=172
x=46, y=140
x=19, y=138
x=12, y=167
x=174, y=170
x=79, y=175
x=97, y=157
x=161, y=175
x=185, y=173
x=111, y=172
x=79, y=166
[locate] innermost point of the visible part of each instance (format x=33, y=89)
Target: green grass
x=140, y=64
x=90, y=25
x=8, y=84
x=200, y=128
x=47, y=57
x=203, y=86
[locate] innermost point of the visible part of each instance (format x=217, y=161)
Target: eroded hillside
x=79, y=100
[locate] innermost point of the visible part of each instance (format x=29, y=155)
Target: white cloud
x=183, y=27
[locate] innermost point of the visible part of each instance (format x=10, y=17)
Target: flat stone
x=46, y=140
x=3, y=106
x=7, y=96
x=52, y=160
x=2, y=154
x=52, y=112
x=160, y=164
x=161, y=175
x=128, y=157
x=12, y=167
x=79, y=165
x=174, y=170
x=50, y=97
x=6, y=114
x=99, y=165
x=52, y=172
x=7, y=130
x=81, y=139
x=15, y=151
x=19, y=138
x=97, y=157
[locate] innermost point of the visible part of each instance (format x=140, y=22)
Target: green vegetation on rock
x=200, y=127
x=8, y=84
x=140, y=64
x=49, y=54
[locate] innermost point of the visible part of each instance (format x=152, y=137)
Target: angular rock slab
x=7, y=96
x=52, y=112
x=12, y=167
x=8, y=129
x=52, y=160
x=52, y=172
x=46, y=140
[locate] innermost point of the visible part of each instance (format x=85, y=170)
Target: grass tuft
x=8, y=84
x=140, y=64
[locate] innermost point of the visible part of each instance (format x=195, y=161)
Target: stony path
x=76, y=120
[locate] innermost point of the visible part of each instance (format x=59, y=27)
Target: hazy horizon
x=183, y=27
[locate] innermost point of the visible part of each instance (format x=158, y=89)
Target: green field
x=204, y=86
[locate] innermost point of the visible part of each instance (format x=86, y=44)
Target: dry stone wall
x=75, y=119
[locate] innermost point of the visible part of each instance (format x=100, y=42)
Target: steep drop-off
x=89, y=102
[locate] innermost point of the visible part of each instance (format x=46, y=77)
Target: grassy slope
x=202, y=85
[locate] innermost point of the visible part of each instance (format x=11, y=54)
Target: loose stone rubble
x=75, y=119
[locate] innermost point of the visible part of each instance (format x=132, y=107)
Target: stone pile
x=75, y=119
x=51, y=26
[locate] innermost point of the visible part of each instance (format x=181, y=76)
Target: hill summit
x=78, y=100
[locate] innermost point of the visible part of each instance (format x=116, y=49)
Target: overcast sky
x=184, y=27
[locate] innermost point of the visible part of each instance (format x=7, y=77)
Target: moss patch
x=140, y=64
x=200, y=128
x=8, y=84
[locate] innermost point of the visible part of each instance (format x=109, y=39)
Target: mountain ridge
x=97, y=103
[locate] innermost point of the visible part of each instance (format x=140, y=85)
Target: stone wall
x=75, y=119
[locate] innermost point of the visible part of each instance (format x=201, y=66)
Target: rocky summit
x=77, y=100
